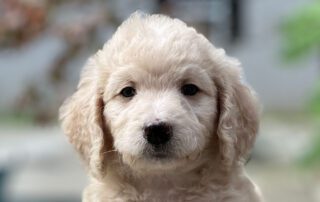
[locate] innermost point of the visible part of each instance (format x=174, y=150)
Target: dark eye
x=128, y=92
x=189, y=89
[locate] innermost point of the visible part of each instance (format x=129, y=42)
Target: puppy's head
x=158, y=95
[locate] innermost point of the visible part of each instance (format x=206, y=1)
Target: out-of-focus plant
x=313, y=156
x=21, y=22
x=301, y=34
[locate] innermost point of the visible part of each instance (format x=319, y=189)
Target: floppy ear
x=238, y=119
x=83, y=121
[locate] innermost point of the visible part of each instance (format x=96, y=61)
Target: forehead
x=159, y=73
x=156, y=53
x=158, y=77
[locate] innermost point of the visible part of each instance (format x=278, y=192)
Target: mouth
x=159, y=156
x=158, y=153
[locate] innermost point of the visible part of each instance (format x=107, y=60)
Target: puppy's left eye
x=128, y=92
x=189, y=89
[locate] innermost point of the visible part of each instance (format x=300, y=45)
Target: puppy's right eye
x=189, y=89
x=128, y=92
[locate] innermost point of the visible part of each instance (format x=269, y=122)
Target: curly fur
x=213, y=130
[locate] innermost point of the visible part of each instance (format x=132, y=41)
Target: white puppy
x=160, y=114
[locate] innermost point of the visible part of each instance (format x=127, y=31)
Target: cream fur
x=213, y=131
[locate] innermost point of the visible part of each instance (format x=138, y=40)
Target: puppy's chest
x=178, y=194
x=167, y=192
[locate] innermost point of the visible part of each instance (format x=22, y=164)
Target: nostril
x=158, y=134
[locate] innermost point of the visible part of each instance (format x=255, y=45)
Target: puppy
x=161, y=115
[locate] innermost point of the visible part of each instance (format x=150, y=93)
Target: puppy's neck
x=203, y=171
x=184, y=179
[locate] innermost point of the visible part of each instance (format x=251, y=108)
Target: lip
x=160, y=155
x=157, y=155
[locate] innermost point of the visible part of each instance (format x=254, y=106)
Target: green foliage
x=314, y=106
x=301, y=32
x=15, y=119
x=312, y=157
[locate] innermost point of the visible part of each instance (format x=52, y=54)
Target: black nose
x=158, y=134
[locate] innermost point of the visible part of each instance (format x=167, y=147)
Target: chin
x=159, y=163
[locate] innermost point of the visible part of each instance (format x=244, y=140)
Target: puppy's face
x=160, y=112
x=158, y=95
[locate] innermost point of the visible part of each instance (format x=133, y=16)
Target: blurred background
x=44, y=44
